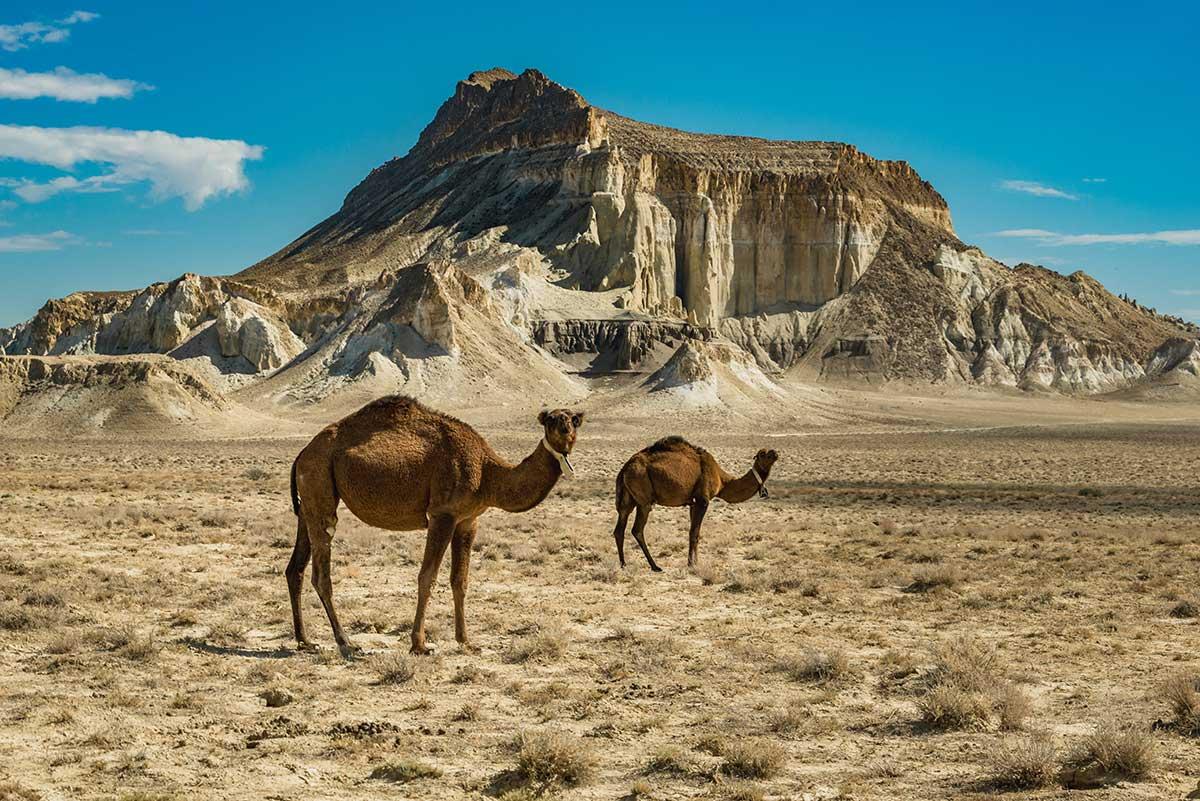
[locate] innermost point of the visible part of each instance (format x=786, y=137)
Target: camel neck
x=519, y=488
x=743, y=488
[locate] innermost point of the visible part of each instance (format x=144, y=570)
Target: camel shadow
x=206, y=647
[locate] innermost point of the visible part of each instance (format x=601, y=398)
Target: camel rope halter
x=563, y=463
x=762, y=483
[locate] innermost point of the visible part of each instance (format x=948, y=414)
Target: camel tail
x=622, y=496
x=295, y=495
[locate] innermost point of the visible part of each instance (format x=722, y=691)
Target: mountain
x=531, y=242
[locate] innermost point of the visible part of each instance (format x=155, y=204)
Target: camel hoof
x=306, y=647
x=422, y=650
x=468, y=647
x=656, y=569
x=349, y=650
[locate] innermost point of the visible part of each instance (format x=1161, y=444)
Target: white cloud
x=23, y=34
x=1182, y=237
x=64, y=84
x=192, y=168
x=1095, y=180
x=1034, y=188
x=32, y=243
x=1186, y=292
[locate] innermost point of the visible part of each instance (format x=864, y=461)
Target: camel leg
x=460, y=568
x=625, y=505
x=295, y=581
x=639, y=523
x=441, y=531
x=322, y=580
x=698, y=508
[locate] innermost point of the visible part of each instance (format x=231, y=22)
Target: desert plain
x=926, y=606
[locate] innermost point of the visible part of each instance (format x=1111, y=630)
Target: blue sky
x=1069, y=126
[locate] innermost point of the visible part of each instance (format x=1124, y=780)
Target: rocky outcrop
x=618, y=344
x=529, y=237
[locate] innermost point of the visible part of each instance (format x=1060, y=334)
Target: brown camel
x=401, y=466
x=673, y=472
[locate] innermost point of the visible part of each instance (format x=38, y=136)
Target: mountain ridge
x=531, y=238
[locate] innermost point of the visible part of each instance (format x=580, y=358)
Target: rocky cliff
x=529, y=235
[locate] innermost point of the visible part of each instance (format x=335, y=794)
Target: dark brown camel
x=673, y=472
x=401, y=466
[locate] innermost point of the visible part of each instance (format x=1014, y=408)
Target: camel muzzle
x=563, y=462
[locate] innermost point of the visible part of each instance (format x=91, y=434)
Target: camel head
x=764, y=460
x=560, y=426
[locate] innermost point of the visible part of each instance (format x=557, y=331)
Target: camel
x=673, y=472
x=400, y=466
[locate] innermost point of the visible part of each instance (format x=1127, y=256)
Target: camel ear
x=577, y=419
x=543, y=416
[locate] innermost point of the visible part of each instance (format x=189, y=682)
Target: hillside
x=530, y=243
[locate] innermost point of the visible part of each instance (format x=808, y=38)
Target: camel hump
x=672, y=443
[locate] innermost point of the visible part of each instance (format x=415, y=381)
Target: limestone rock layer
x=530, y=241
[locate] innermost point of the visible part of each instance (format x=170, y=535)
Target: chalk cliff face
x=528, y=236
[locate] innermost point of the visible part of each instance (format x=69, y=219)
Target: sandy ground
x=146, y=651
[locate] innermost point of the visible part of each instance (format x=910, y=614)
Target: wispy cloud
x=150, y=232
x=33, y=243
x=1095, y=180
x=23, y=34
x=192, y=168
x=65, y=84
x=1181, y=237
x=1034, y=188
x=1185, y=292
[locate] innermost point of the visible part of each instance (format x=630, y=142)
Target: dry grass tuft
x=11, y=791
x=671, y=760
x=395, y=668
x=1182, y=693
x=934, y=577
x=550, y=759
x=741, y=791
x=816, y=666
x=1114, y=752
x=1186, y=608
x=753, y=759
x=546, y=643
x=967, y=689
x=404, y=771
x=1023, y=764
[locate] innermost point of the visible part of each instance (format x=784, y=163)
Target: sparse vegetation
x=816, y=666
x=753, y=759
x=966, y=688
x=403, y=771
x=1027, y=763
x=1113, y=752
x=1182, y=693
x=544, y=643
x=548, y=759
x=396, y=668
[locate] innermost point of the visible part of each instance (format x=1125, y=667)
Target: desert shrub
x=1182, y=694
x=14, y=618
x=546, y=642
x=550, y=759
x=1114, y=752
x=753, y=759
x=404, y=770
x=1023, y=764
x=741, y=791
x=1186, y=608
x=967, y=689
x=395, y=668
x=256, y=474
x=934, y=577
x=671, y=760
x=788, y=720
x=11, y=791
x=816, y=666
